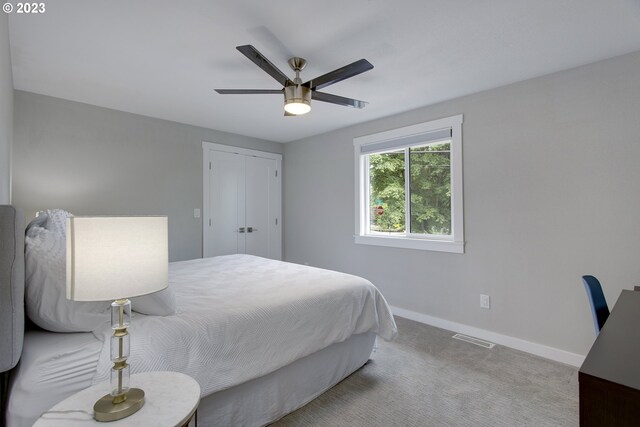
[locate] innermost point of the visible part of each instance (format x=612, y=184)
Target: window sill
x=408, y=243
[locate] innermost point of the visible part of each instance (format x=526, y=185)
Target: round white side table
x=171, y=400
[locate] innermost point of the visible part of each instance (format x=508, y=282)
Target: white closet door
x=226, y=204
x=242, y=193
x=260, y=182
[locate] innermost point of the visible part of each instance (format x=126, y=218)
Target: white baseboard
x=558, y=355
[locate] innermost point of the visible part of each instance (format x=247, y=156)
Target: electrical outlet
x=196, y=213
x=485, y=301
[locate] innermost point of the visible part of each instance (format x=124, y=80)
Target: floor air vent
x=476, y=341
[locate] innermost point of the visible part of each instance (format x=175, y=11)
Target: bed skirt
x=264, y=400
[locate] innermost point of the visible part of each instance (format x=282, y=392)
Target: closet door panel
x=260, y=175
x=227, y=204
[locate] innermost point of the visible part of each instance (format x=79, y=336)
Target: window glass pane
x=386, y=193
x=430, y=189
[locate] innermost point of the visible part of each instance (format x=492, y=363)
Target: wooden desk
x=610, y=375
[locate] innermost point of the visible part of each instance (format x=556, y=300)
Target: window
x=409, y=187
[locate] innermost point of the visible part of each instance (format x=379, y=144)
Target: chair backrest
x=599, y=308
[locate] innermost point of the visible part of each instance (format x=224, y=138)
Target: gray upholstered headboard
x=11, y=286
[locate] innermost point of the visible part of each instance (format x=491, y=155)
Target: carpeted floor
x=425, y=378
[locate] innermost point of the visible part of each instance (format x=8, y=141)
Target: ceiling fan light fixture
x=297, y=99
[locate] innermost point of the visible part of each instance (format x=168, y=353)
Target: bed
x=261, y=337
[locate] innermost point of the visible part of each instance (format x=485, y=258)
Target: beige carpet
x=425, y=378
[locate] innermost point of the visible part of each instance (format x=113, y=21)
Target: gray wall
x=6, y=111
x=551, y=192
x=91, y=160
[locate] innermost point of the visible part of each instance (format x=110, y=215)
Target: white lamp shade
x=116, y=257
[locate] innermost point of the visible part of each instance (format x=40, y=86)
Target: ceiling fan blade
x=248, y=91
x=335, y=99
x=340, y=74
x=261, y=61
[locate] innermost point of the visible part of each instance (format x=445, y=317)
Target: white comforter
x=240, y=317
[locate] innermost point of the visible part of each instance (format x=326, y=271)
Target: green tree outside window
x=429, y=189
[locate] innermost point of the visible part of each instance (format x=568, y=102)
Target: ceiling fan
x=298, y=95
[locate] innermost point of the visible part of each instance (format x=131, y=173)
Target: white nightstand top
x=171, y=398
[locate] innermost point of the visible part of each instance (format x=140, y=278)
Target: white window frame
x=396, y=139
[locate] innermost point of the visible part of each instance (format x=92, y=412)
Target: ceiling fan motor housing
x=297, y=99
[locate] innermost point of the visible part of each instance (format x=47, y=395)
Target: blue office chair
x=599, y=308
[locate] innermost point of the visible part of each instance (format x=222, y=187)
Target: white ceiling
x=163, y=58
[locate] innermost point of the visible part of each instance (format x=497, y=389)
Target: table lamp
x=115, y=258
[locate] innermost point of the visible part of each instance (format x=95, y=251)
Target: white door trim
x=206, y=206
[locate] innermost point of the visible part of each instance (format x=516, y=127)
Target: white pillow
x=161, y=303
x=45, y=291
x=56, y=221
x=39, y=221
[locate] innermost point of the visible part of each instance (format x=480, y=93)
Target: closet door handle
x=241, y=230
x=251, y=229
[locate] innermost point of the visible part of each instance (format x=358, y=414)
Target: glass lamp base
x=105, y=410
